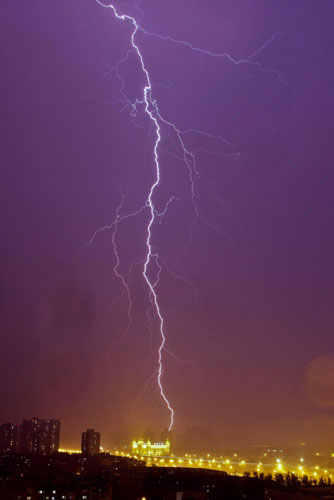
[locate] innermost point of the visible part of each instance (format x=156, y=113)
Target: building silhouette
x=90, y=442
x=149, y=435
x=8, y=438
x=166, y=435
x=38, y=435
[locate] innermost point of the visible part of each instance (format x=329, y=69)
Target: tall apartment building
x=8, y=437
x=37, y=435
x=90, y=442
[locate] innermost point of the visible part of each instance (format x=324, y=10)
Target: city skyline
x=36, y=441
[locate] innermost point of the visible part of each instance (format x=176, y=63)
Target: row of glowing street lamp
x=230, y=466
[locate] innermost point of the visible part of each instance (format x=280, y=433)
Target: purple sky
x=261, y=313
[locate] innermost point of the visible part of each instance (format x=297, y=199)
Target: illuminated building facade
x=37, y=435
x=146, y=448
x=90, y=442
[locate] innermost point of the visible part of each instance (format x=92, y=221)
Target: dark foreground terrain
x=104, y=477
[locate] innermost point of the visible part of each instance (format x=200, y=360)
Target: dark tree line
x=291, y=480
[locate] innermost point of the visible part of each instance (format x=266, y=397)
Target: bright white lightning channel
x=151, y=110
x=188, y=157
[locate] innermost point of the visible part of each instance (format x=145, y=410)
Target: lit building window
x=150, y=449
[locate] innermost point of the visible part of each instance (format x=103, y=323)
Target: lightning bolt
x=152, y=263
x=245, y=61
x=151, y=110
